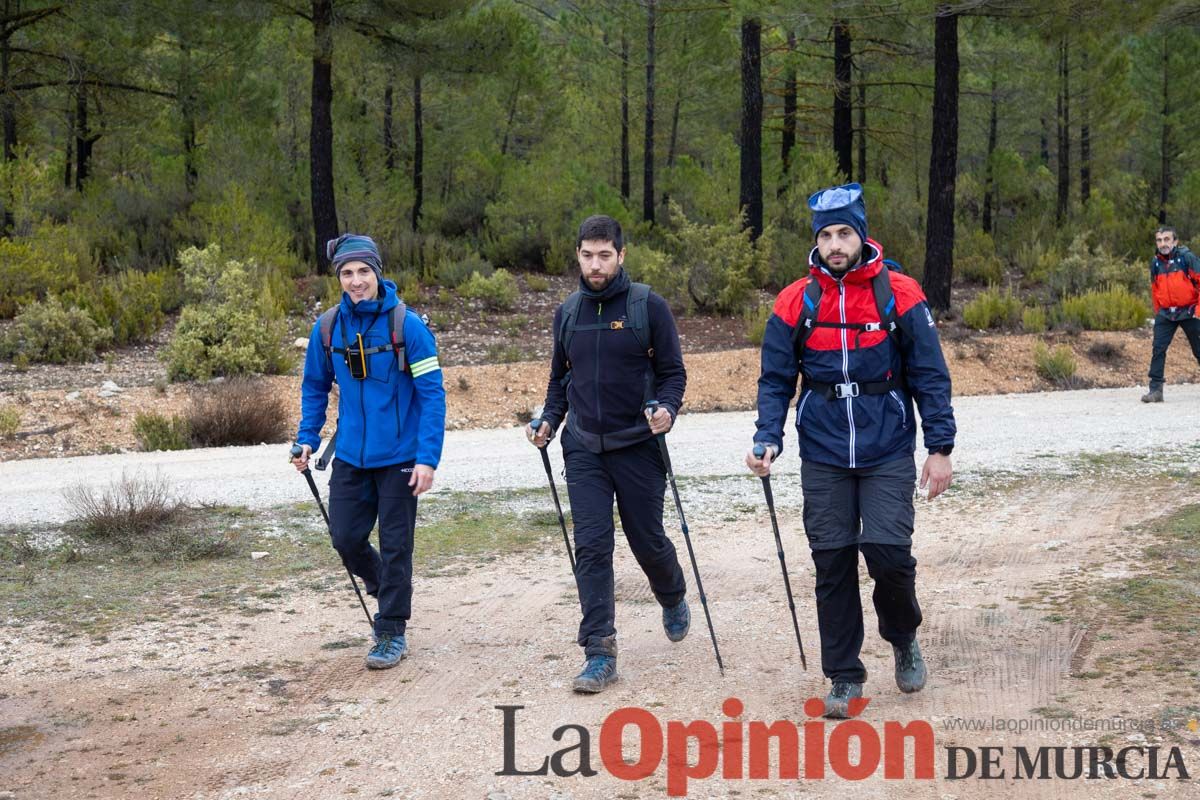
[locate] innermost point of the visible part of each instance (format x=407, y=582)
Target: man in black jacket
x=615, y=347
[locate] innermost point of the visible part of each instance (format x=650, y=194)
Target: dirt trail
x=264, y=706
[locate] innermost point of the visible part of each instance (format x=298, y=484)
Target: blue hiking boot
x=837, y=702
x=598, y=672
x=910, y=668
x=600, y=669
x=388, y=651
x=677, y=620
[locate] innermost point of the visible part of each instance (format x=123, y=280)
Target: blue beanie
x=839, y=205
x=354, y=247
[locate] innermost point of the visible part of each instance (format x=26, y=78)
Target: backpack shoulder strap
x=808, y=315
x=326, y=322
x=570, y=312
x=396, y=333
x=639, y=316
x=885, y=299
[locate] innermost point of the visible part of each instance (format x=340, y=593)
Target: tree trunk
x=512, y=116
x=862, y=130
x=320, y=139
x=83, y=139
x=1044, y=142
x=68, y=159
x=1165, y=178
x=843, y=125
x=187, y=114
x=648, y=147
x=989, y=183
x=789, y=114
x=1063, y=208
x=389, y=138
x=751, y=201
x=624, y=114
x=675, y=118
x=8, y=109
x=943, y=162
x=418, y=153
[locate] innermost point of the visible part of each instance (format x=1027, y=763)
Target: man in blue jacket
x=615, y=347
x=391, y=422
x=864, y=341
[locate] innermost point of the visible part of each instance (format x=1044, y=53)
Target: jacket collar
x=862, y=273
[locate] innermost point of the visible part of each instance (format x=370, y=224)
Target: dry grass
x=238, y=411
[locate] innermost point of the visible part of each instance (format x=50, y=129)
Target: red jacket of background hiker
x=868, y=429
x=1175, y=283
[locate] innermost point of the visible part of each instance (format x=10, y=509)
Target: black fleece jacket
x=608, y=370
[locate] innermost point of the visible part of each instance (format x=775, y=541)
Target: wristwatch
x=944, y=450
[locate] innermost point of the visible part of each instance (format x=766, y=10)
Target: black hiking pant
x=1164, y=332
x=867, y=510
x=357, y=497
x=635, y=476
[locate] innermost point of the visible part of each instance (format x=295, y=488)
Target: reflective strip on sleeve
x=424, y=365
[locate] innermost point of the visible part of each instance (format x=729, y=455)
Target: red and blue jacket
x=865, y=429
x=1175, y=283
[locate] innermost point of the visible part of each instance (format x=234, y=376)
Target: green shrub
x=29, y=273
x=755, y=321
x=408, y=286
x=1057, y=366
x=991, y=309
x=426, y=254
x=46, y=332
x=537, y=283
x=10, y=421
x=1084, y=268
x=714, y=267
x=227, y=328
x=1114, y=309
x=498, y=291
x=158, y=432
x=131, y=303
x=975, y=259
x=1033, y=319
x=453, y=274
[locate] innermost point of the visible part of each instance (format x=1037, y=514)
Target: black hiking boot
x=677, y=620
x=911, y=672
x=837, y=702
x=1153, y=396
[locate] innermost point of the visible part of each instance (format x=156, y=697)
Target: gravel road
x=1010, y=432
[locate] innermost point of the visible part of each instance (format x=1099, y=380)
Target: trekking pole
x=760, y=450
x=534, y=425
x=297, y=451
x=666, y=457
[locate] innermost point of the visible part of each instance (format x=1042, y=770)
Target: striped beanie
x=354, y=247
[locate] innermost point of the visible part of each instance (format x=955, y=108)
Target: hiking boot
x=1153, y=396
x=837, y=702
x=910, y=668
x=598, y=672
x=388, y=651
x=676, y=621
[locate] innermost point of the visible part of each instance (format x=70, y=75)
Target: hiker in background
x=864, y=340
x=615, y=347
x=391, y=422
x=1175, y=289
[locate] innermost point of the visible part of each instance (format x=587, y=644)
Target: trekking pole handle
x=297, y=451
x=760, y=450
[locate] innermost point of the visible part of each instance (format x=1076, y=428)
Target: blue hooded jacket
x=390, y=417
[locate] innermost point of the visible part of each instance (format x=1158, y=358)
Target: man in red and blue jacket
x=1175, y=290
x=864, y=342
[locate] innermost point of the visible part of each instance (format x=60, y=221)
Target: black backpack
x=637, y=319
